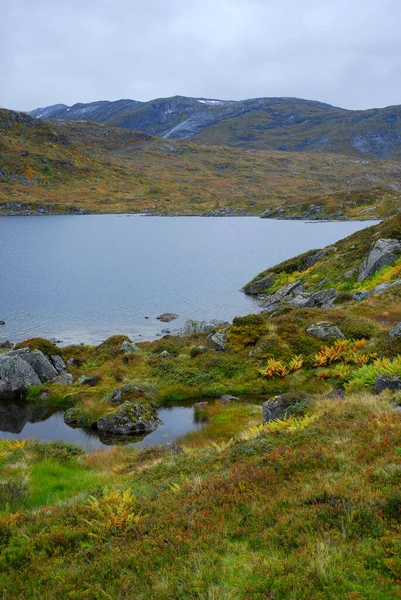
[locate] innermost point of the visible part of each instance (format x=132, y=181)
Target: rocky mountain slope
x=63, y=166
x=287, y=124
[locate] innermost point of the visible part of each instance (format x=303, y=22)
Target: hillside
x=287, y=124
x=298, y=497
x=85, y=166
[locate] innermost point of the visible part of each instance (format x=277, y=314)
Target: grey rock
x=201, y=404
x=192, y=326
x=73, y=362
x=382, y=287
x=128, y=346
x=324, y=330
x=260, y=285
x=385, y=252
x=6, y=345
x=227, y=398
x=219, y=340
x=40, y=364
x=128, y=419
x=312, y=259
x=324, y=299
x=167, y=317
x=65, y=378
x=165, y=354
x=17, y=374
x=85, y=380
x=361, y=295
x=350, y=274
x=396, y=331
x=58, y=364
x=2, y=322
x=288, y=292
x=385, y=382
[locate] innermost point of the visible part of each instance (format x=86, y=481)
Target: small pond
x=23, y=421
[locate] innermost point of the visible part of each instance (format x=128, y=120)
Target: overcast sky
x=344, y=52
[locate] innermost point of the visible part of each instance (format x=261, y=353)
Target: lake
x=84, y=278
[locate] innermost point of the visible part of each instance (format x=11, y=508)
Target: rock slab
x=129, y=419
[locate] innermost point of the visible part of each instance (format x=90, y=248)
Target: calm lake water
x=84, y=278
x=24, y=421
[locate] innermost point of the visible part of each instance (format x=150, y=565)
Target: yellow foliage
x=114, y=510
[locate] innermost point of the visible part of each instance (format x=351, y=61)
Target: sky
x=344, y=52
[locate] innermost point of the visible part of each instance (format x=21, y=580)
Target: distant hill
x=68, y=166
x=286, y=124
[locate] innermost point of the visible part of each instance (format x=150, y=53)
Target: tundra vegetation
x=79, y=166
x=304, y=506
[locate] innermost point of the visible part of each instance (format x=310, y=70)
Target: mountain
x=61, y=165
x=287, y=124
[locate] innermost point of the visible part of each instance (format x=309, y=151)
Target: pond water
x=84, y=278
x=23, y=421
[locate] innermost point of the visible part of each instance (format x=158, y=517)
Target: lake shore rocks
x=167, y=317
x=129, y=419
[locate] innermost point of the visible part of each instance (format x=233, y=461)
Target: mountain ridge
x=286, y=124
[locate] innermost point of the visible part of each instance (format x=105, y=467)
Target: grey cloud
x=347, y=53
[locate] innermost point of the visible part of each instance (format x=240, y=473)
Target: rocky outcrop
x=90, y=381
x=385, y=252
x=6, y=345
x=58, y=364
x=260, y=285
x=129, y=419
x=294, y=295
x=325, y=330
x=167, y=317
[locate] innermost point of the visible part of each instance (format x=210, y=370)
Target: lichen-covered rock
x=285, y=405
x=361, y=295
x=192, y=326
x=64, y=378
x=74, y=416
x=74, y=362
x=395, y=332
x=219, y=340
x=127, y=346
x=324, y=330
x=385, y=252
x=129, y=419
x=228, y=398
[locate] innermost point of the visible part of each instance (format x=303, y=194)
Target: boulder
x=285, y=405
x=260, y=285
x=6, y=345
x=127, y=346
x=219, y=340
x=324, y=330
x=165, y=354
x=74, y=416
x=385, y=382
x=17, y=374
x=382, y=287
x=167, y=317
x=395, y=331
x=174, y=448
x=303, y=299
x=312, y=259
x=2, y=322
x=384, y=253
x=85, y=380
x=128, y=419
x=40, y=364
x=58, y=363
x=287, y=292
